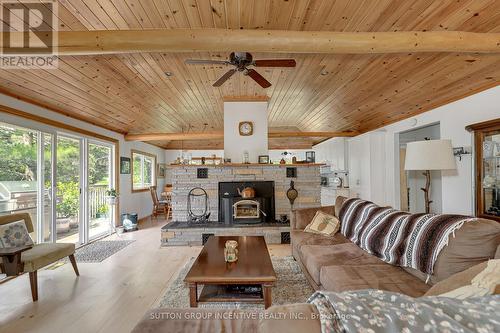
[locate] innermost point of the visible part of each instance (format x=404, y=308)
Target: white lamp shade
x=430, y=155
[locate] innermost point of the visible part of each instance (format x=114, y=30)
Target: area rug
x=291, y=287
x=100, y=250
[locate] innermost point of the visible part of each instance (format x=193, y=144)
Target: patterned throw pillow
x=323, y=223
x=14, y=234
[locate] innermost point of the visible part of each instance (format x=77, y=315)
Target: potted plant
x=67, y=206
x=102, y=211
x=112, y=196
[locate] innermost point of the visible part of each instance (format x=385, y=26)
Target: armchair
x=28, y=259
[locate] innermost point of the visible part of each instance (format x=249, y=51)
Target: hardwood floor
x=110, y=296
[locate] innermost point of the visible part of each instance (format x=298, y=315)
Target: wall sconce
x=459, y=151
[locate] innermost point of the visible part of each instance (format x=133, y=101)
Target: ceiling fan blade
x=258, y=78
x=224, y=78
x=275, y=63
x=206, y=62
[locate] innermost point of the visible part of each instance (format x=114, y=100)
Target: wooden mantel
x=242, y=165
x=220, y=135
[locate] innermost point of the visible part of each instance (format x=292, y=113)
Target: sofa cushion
x=473, y=243
x=300, y=238
x=14, y=234
x=324, y=224
x=384, y=277
x=44, y=254
x=316, y=256
x=457, y=280
x=291, y=318
x=302, y=217
x=338, y=204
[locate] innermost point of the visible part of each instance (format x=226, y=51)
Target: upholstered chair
x=29, y=259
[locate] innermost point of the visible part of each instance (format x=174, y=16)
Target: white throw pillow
x=323, y=223
x=14, y=234
x=485, y=283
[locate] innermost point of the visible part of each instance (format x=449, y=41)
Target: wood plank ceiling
x=131, y=94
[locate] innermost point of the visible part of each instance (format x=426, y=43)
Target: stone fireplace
x=221, y=182
x=186, y=177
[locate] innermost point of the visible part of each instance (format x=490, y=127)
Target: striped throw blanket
x=396, y=237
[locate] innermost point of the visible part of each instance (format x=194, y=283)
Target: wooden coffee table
x=247, y=280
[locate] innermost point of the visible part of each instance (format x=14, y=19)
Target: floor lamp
x=426, y=156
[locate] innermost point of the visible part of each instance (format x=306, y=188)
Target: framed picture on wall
x=125, y=165
x=161, y=170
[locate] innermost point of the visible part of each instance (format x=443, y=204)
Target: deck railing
x=27, y=202
x=97, y=199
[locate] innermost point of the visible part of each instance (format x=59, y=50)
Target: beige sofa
x=336, y=264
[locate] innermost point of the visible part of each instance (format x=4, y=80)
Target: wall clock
x=246, y=128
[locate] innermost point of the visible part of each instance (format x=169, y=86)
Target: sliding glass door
x=19, y=181
x=100, y=180
x=68, y=194
x=60, y=180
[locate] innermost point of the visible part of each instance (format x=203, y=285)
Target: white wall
x=332, y=152
x=366, y=170
x=275, y=155
x=140, y=203
x=234, y=143
x=457, y=185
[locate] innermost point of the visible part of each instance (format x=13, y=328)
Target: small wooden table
x=247, y=280
x=11, y=259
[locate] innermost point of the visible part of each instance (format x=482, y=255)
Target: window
x=143, y=171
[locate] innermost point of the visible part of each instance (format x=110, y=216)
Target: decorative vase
x=246, y=157
x=231, y=251
x=292, y=193
x=112, y=200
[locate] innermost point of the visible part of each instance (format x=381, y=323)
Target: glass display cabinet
x=487, y=168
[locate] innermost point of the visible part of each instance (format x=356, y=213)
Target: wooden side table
x=11, y=260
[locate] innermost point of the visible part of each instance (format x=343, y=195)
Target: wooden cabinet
x=487, y=168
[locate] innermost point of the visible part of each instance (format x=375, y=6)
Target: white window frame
x=142, y=187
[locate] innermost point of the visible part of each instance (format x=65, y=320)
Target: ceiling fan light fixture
x=241, y=61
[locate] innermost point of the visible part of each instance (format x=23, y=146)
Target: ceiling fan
x=242, y=60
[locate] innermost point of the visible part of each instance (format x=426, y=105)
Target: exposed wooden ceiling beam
x=175, y=136
x=276, y=41
x=312, y=134
x=220, y=135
